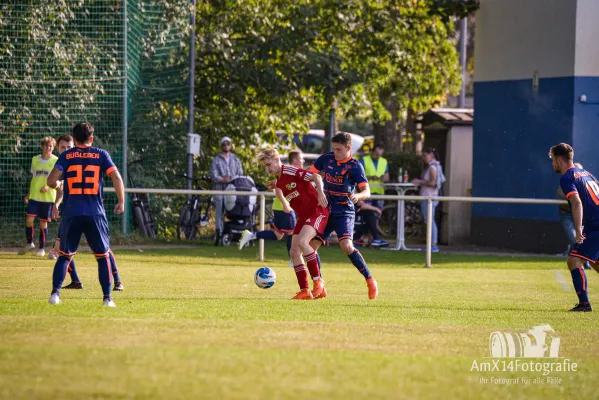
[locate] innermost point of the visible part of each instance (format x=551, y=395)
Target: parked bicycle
x=140, y=207
x=413, y=219
x=196, y=211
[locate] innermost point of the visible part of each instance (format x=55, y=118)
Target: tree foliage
x=261, y=66
x=265, y=65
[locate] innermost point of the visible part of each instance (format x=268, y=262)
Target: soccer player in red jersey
x=309, y=202
x=83, y=208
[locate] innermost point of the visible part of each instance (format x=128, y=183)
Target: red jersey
x=296, y=185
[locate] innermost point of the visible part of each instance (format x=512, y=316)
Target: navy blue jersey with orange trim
x=340, y=180
x=82, y=168
x=576, y=180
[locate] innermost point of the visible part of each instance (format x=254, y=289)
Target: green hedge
x=410, y=161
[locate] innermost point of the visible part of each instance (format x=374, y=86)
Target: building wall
x=533, y=61
x=458, y=171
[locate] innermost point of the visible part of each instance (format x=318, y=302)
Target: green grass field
x=192, y=324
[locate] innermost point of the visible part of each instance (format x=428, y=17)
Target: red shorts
x=318, y=221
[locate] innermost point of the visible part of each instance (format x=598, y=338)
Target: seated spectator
x=368, y=215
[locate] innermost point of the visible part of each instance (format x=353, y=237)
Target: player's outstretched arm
x=322, y=198
x=119, y=188
x=54, y=178
x=363, y=195
x=577, y=216
x=59, y=195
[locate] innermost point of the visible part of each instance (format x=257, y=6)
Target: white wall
x=515, y=38
x=458, y=171
x=587, y=38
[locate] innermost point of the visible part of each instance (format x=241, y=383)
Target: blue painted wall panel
x=513, y=130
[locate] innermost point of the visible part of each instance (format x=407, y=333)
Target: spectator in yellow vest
x=377, y=172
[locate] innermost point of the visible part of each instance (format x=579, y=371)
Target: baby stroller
x=240, y=211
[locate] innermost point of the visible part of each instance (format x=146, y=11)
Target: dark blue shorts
x=589, y=249
x=343, y=225
x=40, y=209
x=95, y=228
x=283, y=222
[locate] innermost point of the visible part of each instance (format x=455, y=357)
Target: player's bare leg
x=301, y=272
x=579, y=279
x=303, y=239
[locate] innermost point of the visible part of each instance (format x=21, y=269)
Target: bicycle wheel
x=415, y=226
x=388, y=220
x=139, y=220
x=149, y=223
x=186, y=229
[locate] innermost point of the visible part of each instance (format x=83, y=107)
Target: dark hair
x=294, y=155
x=562, y=150
x=64, y=138
x=82, y=132
x=378, y=146
x=430, y=150
x=343, y=138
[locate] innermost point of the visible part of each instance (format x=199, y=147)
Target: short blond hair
x=269, y=153
x=47, y=140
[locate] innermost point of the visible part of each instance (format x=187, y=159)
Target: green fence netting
x=63, y=62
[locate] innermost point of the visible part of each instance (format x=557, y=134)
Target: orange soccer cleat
x=304, y=294
x=373, y=288
x=319, y=292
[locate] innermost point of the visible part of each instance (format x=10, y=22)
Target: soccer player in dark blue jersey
x=341, y=174
x=582, y=191
x=83, y=209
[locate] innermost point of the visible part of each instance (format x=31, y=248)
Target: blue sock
x=73, y=272
x=266, y=235
x=29, y=234
x=60, y=272
x=104, y=274
x=358, y=261
x=289, y=238
x=115, y=271
x=579, y=279
x=43, y=236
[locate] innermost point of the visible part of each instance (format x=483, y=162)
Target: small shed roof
x=449, y=116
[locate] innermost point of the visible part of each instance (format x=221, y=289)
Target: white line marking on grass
x=561, y=280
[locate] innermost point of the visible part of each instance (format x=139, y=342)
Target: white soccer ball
x=265, y=277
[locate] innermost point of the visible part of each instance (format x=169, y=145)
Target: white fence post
x=429, y=230
x=262, y=217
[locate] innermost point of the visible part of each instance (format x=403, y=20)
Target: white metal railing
x=400, y=204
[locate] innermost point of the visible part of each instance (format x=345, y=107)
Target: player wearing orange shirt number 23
x=309, y=202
